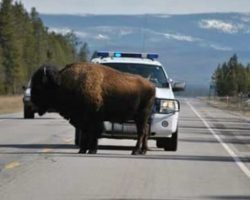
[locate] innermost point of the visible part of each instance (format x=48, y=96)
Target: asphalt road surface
x=39, y=161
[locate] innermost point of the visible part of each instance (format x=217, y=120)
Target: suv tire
x=28, y=113
x=169, y=144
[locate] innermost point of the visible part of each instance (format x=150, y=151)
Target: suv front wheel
x=169, y=144
x=28, y=113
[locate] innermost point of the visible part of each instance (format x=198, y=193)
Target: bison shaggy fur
x=87, y=94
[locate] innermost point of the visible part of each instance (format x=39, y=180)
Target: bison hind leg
x=84, y=141
x=142, y=135
x=141, y=151
x=144, y=151
x=92, y=151
x=145, y=140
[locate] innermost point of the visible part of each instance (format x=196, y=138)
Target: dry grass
x=237, y=107
x=11, y=104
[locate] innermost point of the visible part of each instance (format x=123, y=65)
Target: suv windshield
x=153, y=73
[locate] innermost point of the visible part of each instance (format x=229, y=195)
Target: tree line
x=232, y=78
x=26, y=43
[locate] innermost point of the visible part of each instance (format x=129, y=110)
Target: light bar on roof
x=117, y=54
x=102, y=54
x=152, y=56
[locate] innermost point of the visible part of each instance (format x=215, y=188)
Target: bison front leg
x=93, y=145
x=141, y=144
x=84, y=142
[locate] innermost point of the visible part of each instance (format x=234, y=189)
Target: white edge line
x=237, y=160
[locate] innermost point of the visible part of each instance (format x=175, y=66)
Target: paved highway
x=39, y=161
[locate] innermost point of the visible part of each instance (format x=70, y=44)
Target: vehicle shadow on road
x=230, y=197
x=199, y=158
x=226, y=197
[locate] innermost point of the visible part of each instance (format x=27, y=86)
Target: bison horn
x=44, y=71
x=44, y=79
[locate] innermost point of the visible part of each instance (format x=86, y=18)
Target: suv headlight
x=167, y=106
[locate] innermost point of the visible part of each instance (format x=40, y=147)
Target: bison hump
x=85, y=81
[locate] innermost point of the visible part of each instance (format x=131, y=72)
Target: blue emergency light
x=117, y=54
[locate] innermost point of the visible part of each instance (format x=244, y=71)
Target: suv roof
x=126, y=60
x=138, y=58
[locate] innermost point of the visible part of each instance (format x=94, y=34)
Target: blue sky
x=136, y=6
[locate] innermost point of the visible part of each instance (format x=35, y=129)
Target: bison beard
x=87, y=94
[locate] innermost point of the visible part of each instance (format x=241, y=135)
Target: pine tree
x=8, y=40
x=83, y=52
x=232, y=78
x=248, y=78
x=232, y=75
x=25, y=44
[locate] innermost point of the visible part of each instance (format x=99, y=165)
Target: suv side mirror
x=179, y=86
x=166, y=85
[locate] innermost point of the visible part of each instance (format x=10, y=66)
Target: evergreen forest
x=232, y=78
x=26, y=43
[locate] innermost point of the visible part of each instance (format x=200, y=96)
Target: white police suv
x=164, y=118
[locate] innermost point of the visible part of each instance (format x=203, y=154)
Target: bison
x=88, y=94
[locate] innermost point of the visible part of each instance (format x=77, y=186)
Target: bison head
x=44, y=85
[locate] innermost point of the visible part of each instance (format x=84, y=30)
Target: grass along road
x=11, y=104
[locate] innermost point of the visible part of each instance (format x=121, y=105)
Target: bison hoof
x=144, y=151
x=92, y=151
x=136, y=152
x=83, y=151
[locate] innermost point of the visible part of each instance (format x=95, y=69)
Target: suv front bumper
x=162, y=125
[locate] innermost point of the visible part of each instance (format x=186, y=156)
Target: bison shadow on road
x=107, y=152
x=39, y=146
x=21, y=118
x=61, y=146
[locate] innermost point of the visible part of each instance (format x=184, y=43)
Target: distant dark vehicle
x=29, y=109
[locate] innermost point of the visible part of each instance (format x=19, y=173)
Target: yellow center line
x=12, y=165
x=46, y=150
